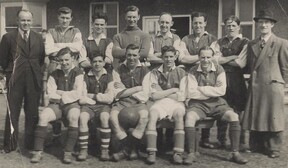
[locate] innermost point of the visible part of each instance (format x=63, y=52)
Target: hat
x=265, y=15
x=64, y=10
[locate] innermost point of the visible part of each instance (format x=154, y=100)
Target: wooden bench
x=208, y=122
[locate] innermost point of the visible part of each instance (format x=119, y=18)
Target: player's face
x=25, y=20
x=66, y=61
x=99, y=26
x=132, y=18
x=64, y=19
x=265, y=26
x=98, y=63
x=169, y=59
x=205, y=59
x=165, y=22
x=198, y=25
x=132, y=57
x=232, y=28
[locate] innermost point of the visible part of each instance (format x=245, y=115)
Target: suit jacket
x=269, y=73
x=15, y=57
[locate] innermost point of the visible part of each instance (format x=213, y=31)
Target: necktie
x=25, y=35
x=262, y=44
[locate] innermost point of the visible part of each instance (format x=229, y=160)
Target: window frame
x=104, y=10
x=24, y=5
x=243, y=23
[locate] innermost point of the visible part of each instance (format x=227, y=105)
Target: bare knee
x=191, y=118
x=230, y=116
x=84, y=118
x=178, y=115
x=73, y=117
x=46, y=116
x=104, y=118
x=114, y=117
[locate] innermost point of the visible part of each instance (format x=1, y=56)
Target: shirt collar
x=101, y=36
x=240, y=36
x=213, y=68
x=161, y=68
x=205, y=33
x=22, y=32
x=138, y=63
x=131, y=28
x=169, y=34
x=266, y=38
x=103, y=72
x=58, y=27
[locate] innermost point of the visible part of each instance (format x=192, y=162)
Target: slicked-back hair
x=64, y=51
x=232, y=18
x=96, y=54
x=23, y=10
x=165, y=49
x=64, y=10
x=132, y=47
x=199, y=14
x=206, y=48
x=100, y=15
x=132, y=8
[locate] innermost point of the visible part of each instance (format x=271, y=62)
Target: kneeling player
x=64, y=88
x=99, y=94
x=162, y=84
x=203, y=88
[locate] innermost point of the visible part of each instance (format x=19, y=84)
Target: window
x=244, y=9
x=181, y=26
x=10, y=9
x=112, y=11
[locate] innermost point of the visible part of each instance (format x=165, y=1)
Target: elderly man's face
x=25, y=20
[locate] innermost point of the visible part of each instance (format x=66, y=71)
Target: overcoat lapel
x=265, y=51
x=33, y=40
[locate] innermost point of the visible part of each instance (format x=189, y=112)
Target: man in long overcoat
x=22, y=55
x=267, y=57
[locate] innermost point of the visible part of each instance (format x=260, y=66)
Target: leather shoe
x=274, y=154
x=237, y=158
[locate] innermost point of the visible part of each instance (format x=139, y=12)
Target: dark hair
x=99, y=15
x=96, y=54
x=199, y=14
x=131, y=8
x=64, y=51
x=165, y=49
x=64, y=10
x=132, y=47
x=23, y=10
x=232, y=18
x=166, y=13
x=206, y=48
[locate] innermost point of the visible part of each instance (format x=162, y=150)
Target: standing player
x=131, y=73
x=64, y=87
x=99, y=94
x=203, y=88
x=98, y=42
x=132, y=34
x=162, y=84
x=230, y=51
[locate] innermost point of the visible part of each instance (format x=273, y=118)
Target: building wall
x=281, y=27
x=147, y=8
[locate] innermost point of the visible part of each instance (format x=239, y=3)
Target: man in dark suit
x=22, y=54
x=267, y=58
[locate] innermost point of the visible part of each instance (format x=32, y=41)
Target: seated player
x=162, y=84
x=98, y=95
x=64, y=89
x=131, y=73
x=203, y=88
